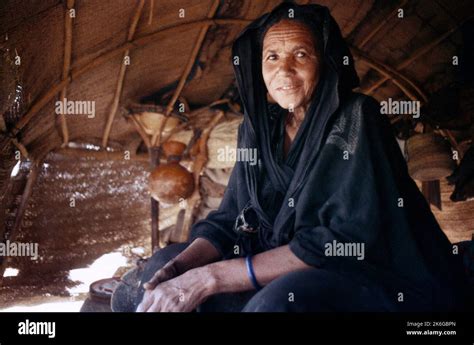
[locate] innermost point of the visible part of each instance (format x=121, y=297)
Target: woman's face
x=290, y=64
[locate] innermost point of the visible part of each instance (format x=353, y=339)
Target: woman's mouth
x=288, y=88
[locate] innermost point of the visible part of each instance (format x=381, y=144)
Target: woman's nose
x=286, y=66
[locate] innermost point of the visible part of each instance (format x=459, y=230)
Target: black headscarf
x=337, y=79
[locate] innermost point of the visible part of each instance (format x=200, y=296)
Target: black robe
x=344, y=180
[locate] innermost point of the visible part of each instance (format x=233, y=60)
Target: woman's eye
x=300, y=54
x=271, y=57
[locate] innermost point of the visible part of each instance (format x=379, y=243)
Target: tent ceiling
x=37, y=33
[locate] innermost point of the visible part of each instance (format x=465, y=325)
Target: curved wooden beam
x=20, y=212
x=390, y=73
x=156, y=139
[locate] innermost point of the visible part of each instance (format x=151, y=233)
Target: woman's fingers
x=157, y=278
x=166, y=273
x=147, y=301
x=155, y=307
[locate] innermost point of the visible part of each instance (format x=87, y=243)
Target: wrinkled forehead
x=288, y=32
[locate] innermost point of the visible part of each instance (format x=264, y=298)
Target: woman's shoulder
x=351, y=121
x=358, y=110
x=359, y=104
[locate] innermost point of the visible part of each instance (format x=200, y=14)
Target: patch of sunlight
x=16, y=169
x=10, y=272
x=103, y=267
x=65, y=306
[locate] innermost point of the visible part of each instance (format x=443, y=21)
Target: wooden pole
x=154, y=153
x=121, y=76
x=36, y=167
x=66, y=65
x=199, y=164
x=141, y=130
x=150, y=15
x=156, y=139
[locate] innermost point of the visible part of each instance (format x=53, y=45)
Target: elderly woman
x=329, y=219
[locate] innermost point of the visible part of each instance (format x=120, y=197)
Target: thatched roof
x=159, y=49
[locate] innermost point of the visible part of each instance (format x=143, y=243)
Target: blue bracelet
x=251, y=273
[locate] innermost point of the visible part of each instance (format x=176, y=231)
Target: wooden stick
x=192, y=58
x=66, y=65
x=154, y=154
x=141, y=131
x=79, y=70
x=197, y=46
x=382, y=23
x=420, y=52
x=431, y=191
x=36, y=167
x=135, y=19
x=115, y=101
x=156, y=138
x=392, y=74
x=150, y=16
x=199, y=164
x=21, y=148
x=123, y=68
x=155, y=225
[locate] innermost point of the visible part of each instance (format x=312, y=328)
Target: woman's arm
x=231, y=275
x=186, y=292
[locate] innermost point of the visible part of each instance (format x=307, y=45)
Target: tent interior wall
x=84, y=60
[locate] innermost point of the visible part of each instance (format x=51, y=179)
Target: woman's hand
x=167, y=272
x=180, y=294
x=199, y=253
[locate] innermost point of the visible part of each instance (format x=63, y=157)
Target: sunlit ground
x=103, y=267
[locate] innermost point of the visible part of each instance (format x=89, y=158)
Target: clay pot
x=170, y=182
x=429, y=157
